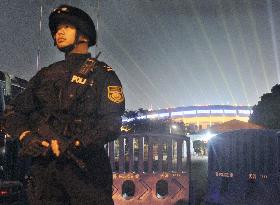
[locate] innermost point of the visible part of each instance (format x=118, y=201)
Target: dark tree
x=130, y=114
x=267, y=112
x=200, y=147
x=141, y=112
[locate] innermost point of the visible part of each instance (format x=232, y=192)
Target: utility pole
x=97, y=27
x=40, y=36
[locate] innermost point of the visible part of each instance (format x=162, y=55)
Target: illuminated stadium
x=201, y=116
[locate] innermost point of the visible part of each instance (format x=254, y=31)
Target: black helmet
x=76, y=17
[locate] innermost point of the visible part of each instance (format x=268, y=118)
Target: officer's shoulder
x=52, y=67
x=55, y=65
x=104, y=68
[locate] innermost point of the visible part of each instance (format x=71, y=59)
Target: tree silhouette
x=267, y=111
x=130, y=114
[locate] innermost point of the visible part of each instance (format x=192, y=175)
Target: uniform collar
x=77, y=57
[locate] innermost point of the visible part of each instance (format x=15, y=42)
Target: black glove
x=32, y=145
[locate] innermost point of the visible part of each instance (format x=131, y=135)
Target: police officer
x=67, y=113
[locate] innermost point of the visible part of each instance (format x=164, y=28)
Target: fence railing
x=150, y=168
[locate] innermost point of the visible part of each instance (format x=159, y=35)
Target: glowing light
x=2, y=192
x=217, y=111
x=208, y=136
x=258, y=43
x=142, y=117
x=177, y=113
x=203, y=111
x=230, y=111
x=247, y=112
x=163, y=98
x=243, y=43
x=175, y=71
x=125, y=128
x=210, y=46
x=273, y=37
x=190, y=112
x=233, y=53
x=152, y=116
x=163, y=114
x=174, y=126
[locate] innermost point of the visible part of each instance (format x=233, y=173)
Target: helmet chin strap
x=68, y=49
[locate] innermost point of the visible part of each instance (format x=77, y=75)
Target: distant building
x=202, y=117
x=11, y=85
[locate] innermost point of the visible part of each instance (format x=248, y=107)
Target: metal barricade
x=150, y=169
x=243, y=168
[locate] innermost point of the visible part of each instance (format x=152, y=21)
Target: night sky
x=167, y=53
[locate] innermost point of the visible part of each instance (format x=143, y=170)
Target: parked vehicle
x=11, y=172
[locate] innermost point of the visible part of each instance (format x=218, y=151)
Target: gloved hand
x=32, y=145
x=59, y=146
x=55, y=148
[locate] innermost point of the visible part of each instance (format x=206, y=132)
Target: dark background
x=167, y=53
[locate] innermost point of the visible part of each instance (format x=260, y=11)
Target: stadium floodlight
x=174, y=126
x=208, y=136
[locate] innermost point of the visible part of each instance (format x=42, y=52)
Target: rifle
x=45, y=131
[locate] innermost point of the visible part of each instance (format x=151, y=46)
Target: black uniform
x=90, y=114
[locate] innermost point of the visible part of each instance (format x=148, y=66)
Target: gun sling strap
x=80, y=81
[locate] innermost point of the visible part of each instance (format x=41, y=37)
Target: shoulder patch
x=115, y=94
x=108, y=68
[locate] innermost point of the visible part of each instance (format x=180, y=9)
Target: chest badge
x=78, y=79
x=115, y=94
